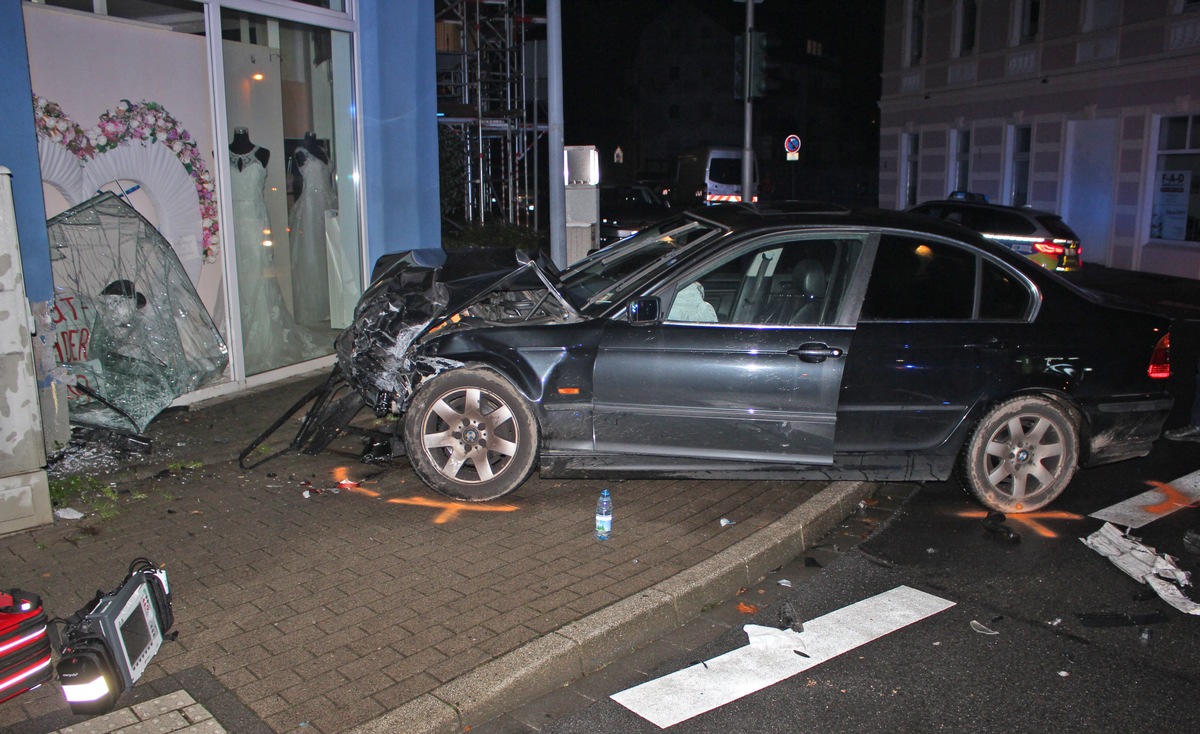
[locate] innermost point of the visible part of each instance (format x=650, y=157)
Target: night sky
x=601, y=37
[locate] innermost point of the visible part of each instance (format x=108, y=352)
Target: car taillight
x=1049, y=248
x=1160, y=361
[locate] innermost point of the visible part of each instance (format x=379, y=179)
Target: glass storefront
x=268, y=232
x=288, y=100
x=1176, y=213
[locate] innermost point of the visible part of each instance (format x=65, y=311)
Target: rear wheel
x=1022, y=455
x=471, y=435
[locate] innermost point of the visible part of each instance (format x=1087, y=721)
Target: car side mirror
x=645, y=310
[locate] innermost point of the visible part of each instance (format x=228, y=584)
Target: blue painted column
x=18, y=151
x=399, y=113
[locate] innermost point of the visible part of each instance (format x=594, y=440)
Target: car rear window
x=1056, y=227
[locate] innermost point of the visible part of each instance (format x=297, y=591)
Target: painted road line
x=1149, y=506
x=771, y=656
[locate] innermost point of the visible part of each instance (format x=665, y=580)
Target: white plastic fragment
x=1142, y=563
x=975, y=625
x=69, y=513
x=785, y=582
x=726, y=522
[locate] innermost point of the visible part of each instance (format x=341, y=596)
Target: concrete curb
x=553, y=660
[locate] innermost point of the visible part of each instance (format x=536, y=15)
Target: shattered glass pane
x=131, y=332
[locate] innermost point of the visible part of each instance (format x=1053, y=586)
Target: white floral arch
x=168, y=186
x=62, y=170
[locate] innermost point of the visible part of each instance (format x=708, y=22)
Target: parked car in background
x=627, y=208
x=1041, y=236
x=798, y=342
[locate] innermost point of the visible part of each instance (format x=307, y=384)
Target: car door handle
x=815, y=352
x=989, y=343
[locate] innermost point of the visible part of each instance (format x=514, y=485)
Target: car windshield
x=605, y=276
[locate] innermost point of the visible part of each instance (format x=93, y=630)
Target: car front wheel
x=1022, y=455
x=471, y=435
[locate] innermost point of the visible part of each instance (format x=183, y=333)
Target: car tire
x=1022, y=455
x=471, y=435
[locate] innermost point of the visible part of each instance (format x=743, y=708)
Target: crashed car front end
x=421, y=296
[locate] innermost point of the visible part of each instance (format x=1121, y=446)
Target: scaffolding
x=492, y=114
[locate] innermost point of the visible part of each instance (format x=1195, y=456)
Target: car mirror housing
x=645, y=310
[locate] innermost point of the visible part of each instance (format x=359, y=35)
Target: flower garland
x=143, y=121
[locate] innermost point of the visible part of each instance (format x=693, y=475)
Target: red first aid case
x=24, y=643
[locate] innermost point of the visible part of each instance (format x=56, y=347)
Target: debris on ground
x=68, y=513
x=1142, y=563
x=726, y=522
x=1191, y=542
x=1117, y=619
x=981, y=629
x=996, y=527
x=789, y=619
x=745, y=608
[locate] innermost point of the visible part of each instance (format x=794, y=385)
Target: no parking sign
x=792, y=146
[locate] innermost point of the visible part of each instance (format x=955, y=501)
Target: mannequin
x=269, y=333
x=242, y=145
x=313, y=190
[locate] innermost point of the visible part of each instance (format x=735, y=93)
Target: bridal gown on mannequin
x=310, y=266
x=269, y=332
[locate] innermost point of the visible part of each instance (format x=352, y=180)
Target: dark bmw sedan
x=805, y=341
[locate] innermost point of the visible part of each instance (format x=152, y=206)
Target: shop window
x=1176, y=211
x=295, y=229
x=1019, y=164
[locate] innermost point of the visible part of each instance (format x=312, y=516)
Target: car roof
x=967, y=204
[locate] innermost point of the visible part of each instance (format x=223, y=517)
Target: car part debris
x=978, y=627
x=789, y=619
x=1140, y=562
x=1191, y=542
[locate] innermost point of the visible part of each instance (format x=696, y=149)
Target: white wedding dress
x=270, y=336
x=310, y=266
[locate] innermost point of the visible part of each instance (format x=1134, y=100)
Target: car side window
x=1003, y=296
x=786, y=281
x=916, y=279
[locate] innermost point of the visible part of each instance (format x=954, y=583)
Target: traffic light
x=758, y=65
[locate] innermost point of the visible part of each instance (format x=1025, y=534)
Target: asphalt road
x=1044, y=669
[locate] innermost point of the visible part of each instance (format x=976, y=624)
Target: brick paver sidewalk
x=328, y=611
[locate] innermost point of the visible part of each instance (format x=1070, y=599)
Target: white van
x=710, y=174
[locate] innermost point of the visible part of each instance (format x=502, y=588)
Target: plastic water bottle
x=604, y=515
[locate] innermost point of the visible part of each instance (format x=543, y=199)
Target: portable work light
x=109, y=642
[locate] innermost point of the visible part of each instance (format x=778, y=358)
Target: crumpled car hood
x=417, y=291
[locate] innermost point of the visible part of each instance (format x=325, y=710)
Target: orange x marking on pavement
x=1029, y=519
x=450, y=510
x=1172, y=499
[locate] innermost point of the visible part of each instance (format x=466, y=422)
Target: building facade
x=278, y=146
x=1089, y=108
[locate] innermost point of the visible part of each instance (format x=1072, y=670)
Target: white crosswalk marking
x=1149, y=506
x=770, y=657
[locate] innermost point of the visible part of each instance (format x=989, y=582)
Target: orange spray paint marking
x=1028, y=519
x=450, y=510
x=1172, y=499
